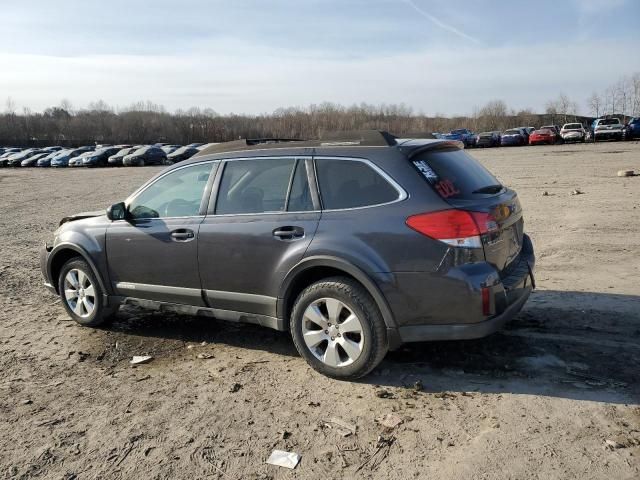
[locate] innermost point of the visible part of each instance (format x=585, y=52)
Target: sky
x=250, y=56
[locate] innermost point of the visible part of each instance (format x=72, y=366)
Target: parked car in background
x=556, y=131
x=182, y=153
x=78, y=160
x=573, y=132
x=4, y=157
x=148, y=155
x=608, y=129
x=527, y=131
x=206, y=145
x=543, y=135
x=32, y=160
x=462, y=135
x=333, y=235
x=116, y=159
x=99, y=158
x=16, y=159
x=632, y=129
x=195, y=145
x=513, y=137
x=46, y=161
x=62, y=160
x=170, y=148
x=488, y=139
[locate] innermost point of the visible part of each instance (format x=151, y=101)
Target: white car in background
x=573, y=132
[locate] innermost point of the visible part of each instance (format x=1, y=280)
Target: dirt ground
x=537, y=400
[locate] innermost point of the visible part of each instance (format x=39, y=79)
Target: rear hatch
x=466, y=185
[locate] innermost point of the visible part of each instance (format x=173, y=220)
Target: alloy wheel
x=332, y=332
x=79, y=293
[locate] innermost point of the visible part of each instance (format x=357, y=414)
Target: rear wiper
x=489, y=189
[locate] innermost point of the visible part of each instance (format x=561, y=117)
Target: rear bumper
x=426, y=333
x=451, y=305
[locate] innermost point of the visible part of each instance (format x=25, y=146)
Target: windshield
x=459, y=131
x=512, y=132
x=454, y=173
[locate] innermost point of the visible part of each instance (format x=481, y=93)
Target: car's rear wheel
x=81, y=294
x=337, y=328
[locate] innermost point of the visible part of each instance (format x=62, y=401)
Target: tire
x=366, y=339
x=79, y=282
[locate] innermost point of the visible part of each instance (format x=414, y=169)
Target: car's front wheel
x=81, y=294
x=337, y=327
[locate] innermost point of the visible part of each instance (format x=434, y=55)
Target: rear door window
x=352, y=183
x=254, y=186
x=455, y=174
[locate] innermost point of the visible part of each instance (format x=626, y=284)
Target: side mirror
x=117, y=211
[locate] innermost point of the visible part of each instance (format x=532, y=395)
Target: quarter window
x=177, y=194
x=352, y=183
x=254, y=186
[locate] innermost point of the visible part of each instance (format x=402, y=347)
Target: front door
x=153, y=253
x=260, y=227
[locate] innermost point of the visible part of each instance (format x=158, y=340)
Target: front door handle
x=288, y=233
x=182, y=235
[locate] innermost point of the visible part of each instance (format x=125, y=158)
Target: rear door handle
x=288, y=233
x=182, y=235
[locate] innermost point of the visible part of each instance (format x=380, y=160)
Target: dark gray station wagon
x=355, y=246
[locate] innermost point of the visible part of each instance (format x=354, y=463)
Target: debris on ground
x=280, y=458
x=390, y=420
x=545, y=194
x=375, y=459
x=613, y=444
x=140, y=359
x=384, y=393
x=235, y=387
x=576, y=192
x=345, y=427
x=204, y=356
x=626, y=173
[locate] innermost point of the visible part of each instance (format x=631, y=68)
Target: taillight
x=458, y=228
x=486, y=301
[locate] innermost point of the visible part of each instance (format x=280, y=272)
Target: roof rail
x=367, y=138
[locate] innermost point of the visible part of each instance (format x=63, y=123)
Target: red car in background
x=543, y=135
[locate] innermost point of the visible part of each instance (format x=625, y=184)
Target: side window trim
x=205, y=193
x=295, y=168
x=402, y=193
x=304, y=160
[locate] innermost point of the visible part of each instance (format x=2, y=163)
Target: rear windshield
x=573, y=126
x=609, y=121
x=455, y=174
x=512, y=132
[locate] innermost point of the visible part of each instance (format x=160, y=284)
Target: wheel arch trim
x=82, y=253
x=338, y=264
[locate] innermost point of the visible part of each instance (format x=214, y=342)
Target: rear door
x=261, y=220
x=465, y=184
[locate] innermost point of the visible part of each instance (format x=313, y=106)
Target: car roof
x=345, y=144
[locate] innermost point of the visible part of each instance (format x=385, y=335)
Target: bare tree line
x=147, y=122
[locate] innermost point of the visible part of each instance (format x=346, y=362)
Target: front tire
x=81, y=294
x=337, y=328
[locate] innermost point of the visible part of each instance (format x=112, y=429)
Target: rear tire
x=81, y=295
x=337, y=328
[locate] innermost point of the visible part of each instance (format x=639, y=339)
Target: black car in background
x=33, y=160
x=46, y=161
x=16, y=159
x=116, y=159
x=488, y=139
x=182, y=153
x=149, y=155
x=100, y=157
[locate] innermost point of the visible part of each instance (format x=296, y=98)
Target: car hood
x=80, y=216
